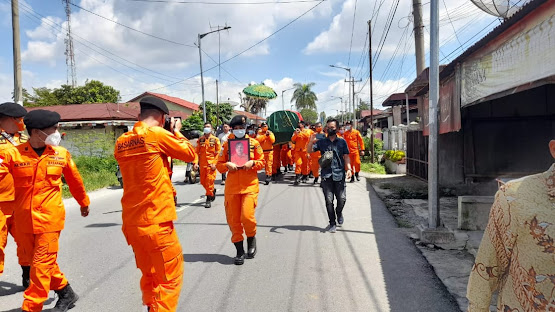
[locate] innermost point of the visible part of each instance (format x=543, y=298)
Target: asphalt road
x=368, y=265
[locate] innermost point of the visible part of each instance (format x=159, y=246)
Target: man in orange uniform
x=356, y=147
x=300, y=139
x=11, y=126
x=241, y=191
x=315, y=156
x=276, y=162
x=207, y=150
x=37, y=167
x=148, y=205
x=266, y=139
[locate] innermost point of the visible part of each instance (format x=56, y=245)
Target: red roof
x=366, y=113
x=249, y=115
x=171, y=99
x=100, y=111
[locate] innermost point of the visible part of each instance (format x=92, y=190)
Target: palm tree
x=253, y=105
x=304, y=97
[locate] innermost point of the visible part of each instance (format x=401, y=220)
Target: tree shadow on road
x=208, y=258
x=102, y=225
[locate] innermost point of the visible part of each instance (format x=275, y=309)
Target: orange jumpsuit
x=276, y=162
x=266, y=140
x=40, y=213
x=207, y=151
x=241, y=192
x=355, y=144
x=149, y=210
x=7, y=193
x=301, y=157
x=285, y=155
x=314, y=160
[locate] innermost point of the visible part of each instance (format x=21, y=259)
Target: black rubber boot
x=310, y=175
x=353, y=179
x=251, y=247
x=67, y=298
x=285, y=168
x=297, y=179
x=240, y=258
x=356, y=176
x=274, y=177
x=25, y=276
x=268, y=178
x=305, y=178
x=208, y=203
x=315, y=180
x=213, y=197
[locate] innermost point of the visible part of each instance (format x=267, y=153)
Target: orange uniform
x=285, y=155
x=7, y=194
x=300, y=140
x=267, y=139
x=355, y=144
x=315, y=160
x=40, y=213
x=276, y=161
x=149, y=210
x=241, y=192
x=207, y=150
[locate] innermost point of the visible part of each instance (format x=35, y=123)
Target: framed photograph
x=239, y=151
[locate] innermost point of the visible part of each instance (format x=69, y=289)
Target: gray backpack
x=326, y=159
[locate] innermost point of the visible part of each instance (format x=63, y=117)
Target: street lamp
x=282, y=103
x=341, y=99
x=200, y=36
x=350, y=81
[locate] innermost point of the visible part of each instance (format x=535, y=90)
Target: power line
x=221, y=67
x=130, y=28
x=352, y=32
x=447, y=12
x=226, y=3
x=385, y=34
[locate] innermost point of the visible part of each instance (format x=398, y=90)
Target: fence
x=417, y=155
x=395, y=138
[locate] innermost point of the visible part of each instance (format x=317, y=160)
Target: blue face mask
x=239, y=133
x=251, y=132
x=207, y=130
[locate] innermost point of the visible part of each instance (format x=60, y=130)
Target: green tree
x=362, y=106
x=304, y=97
x=309, y=115
x=254, y=105
x=93, y=91
x=217, y=114
x=194, y=122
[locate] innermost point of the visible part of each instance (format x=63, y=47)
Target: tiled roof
x=172, y=99
x=366, y=113
x=249, y=115
x=100, y=111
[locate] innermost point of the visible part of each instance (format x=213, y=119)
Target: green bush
x=394, y=155
x=96, y=172
x=373, y=168
x=96, y=164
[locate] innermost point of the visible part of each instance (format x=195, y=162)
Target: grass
x=96, y=172
x=373, y=168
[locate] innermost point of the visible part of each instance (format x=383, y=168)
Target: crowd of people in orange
x=31, y=169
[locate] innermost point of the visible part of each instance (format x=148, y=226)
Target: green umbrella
x=260, y=91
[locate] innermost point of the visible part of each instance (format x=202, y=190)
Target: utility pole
x=217, y=106
x=351, y=104
x=433, y=170
x=371, y=91
x=18, y=89
x=70, y=55
x=419, y=36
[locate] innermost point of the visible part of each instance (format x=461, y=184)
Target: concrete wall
x=92, y=141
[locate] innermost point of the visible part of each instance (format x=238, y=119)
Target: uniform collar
x=26, y=148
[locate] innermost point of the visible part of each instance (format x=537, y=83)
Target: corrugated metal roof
x=172, y=99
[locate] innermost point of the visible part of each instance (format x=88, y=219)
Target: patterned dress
x=517, y=254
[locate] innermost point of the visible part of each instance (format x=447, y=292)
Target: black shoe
x=340, y=221
x=251, y=247
x=240, y=258
x=310, y=175
x=208, y=203
x=315, y=180
x=274, y=177
x=285, y=170
x=213, y=197
x=304, y=179
x=356, y=176
x=268, y=178
x=352, y=179
x=25, y=276
x=67, y=298
x=297, y=178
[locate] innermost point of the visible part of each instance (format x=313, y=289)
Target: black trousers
x=338, y=190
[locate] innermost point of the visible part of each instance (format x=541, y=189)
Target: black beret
x=262, y=124
x=149, y=102
x=41, y=119
x=12, y=110
x=239, y=120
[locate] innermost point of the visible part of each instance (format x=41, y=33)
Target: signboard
x=526, y=57
x=449, y=109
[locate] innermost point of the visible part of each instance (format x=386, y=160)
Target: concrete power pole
x=419, y=36
x=371, y=91
x=18, y=89
x=433, y=168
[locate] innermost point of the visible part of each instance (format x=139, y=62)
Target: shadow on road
x=102, y=225
x=275, y=228
x=7, y=289
x=208, y=258
x=410, y=281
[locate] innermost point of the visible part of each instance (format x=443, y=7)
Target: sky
x=146, y=45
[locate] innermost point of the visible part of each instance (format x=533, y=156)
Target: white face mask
x=347, y=128
x=53, y=139
x=207, y=130
x=239, y=133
